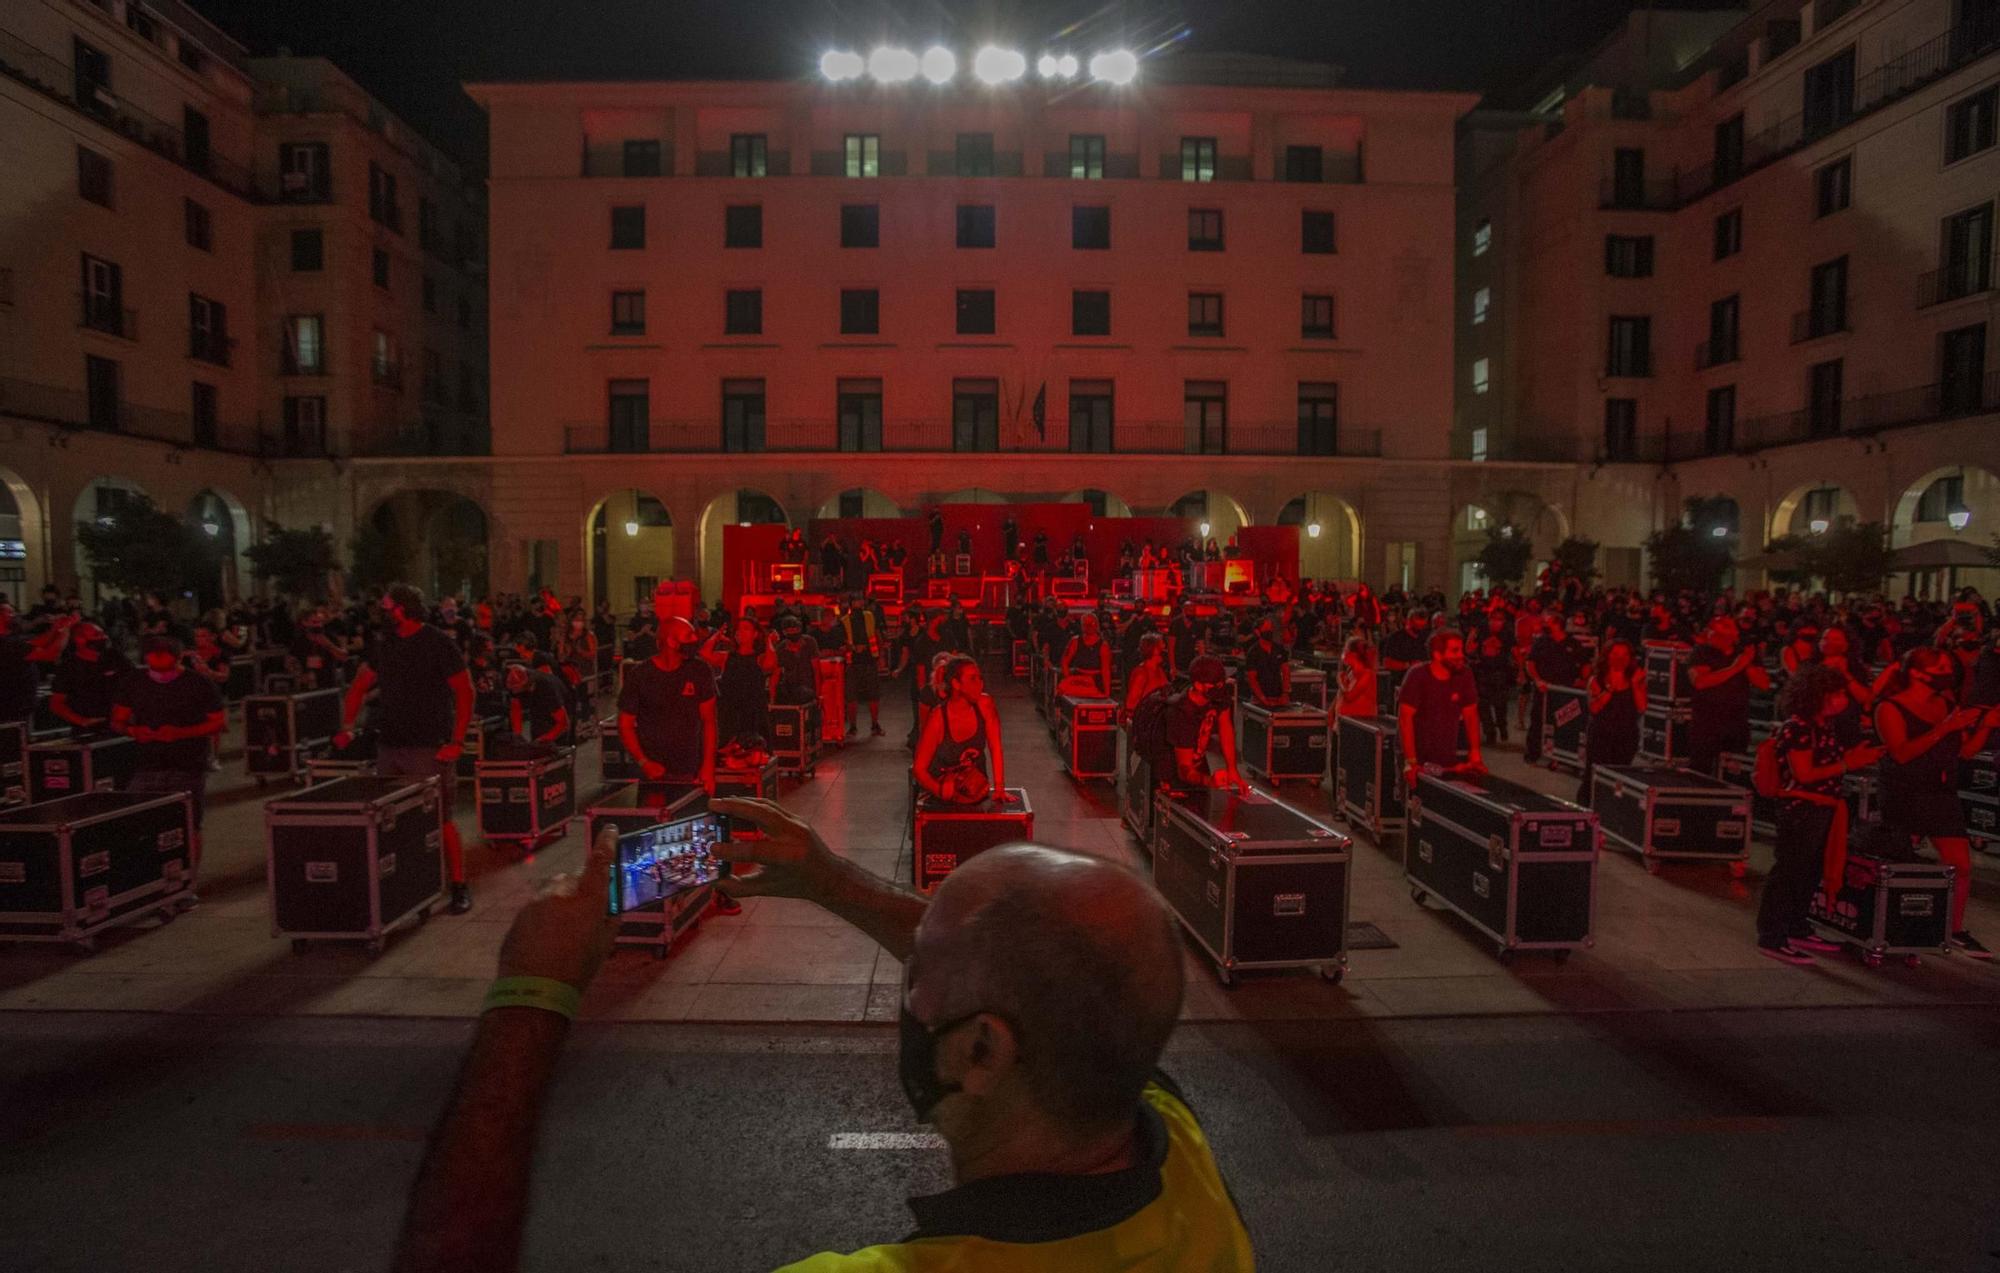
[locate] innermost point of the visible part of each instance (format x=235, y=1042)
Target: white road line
x=884, y=1140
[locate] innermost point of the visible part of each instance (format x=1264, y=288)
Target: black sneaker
x=461, y=899
x=727, y=905
x=1964, y=943
x=875, y=730
x=852, y=731
x=1787, y=954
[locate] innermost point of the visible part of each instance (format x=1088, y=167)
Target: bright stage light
x=1051, y=67
x=998, y=66
x=891, y=65
x=1067, y=66
x=939, y=65
x=1121, y=66
x=1045, y=66
x=1312, y=531
x=839, y=64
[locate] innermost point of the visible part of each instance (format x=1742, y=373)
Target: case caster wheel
x=659, y=952
x=1652, y=866
x=1330, y=974
x=1224, y=977
x=1873, y=958
x=1739, y=869
x=1506, y=955
x=375, y=945
x=1913, y=961
x=299, y=945
x=1418, y=896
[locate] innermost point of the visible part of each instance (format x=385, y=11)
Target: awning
x=1939, y=554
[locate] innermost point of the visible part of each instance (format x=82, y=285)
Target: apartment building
x=1751, y=252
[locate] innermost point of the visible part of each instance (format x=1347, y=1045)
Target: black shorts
x=864, y=679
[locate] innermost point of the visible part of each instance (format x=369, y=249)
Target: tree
x=1850, y=557
x=298, y=562
x=144, y=548
x=1503, y=558
x=1577, y=558
x=1690, y=556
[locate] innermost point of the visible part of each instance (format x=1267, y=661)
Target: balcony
x=1662, y=195
x=1716, y=351
x=71, y=409
x=1813, y=324
x=1953, y=283
x=1922, y=404
x=104, y=314
x=929, y=437
x=1828, y=12
x=210, y=347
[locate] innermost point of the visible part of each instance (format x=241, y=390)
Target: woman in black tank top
x=962, y=734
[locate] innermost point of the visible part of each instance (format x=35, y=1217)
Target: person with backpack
x=1171, y=731
x=1925, y=735
x=1802, y=766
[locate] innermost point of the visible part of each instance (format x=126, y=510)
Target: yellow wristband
x=549, y=995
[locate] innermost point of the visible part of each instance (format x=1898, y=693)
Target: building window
x=863, y=154
x=1316, y=318
x=194, y=139
x=100, y=382
x=628, y=226
x=975, y=415
x=381, y=270
x=1968, y=124
x=1090, y=228
x=1828, y=304
x=1478, y=449
x=975, y=225
x=1823, y=398
x=628, y=313
x=1204, y=229
x=1482, y=301
x=860, y=225
x=199, y=225
x=93, y=176
x=1091, y=417
x=1628, y=255
x=1316, y=232
x=1962, y=370
x=1833, y=187
x=629, y=414
x=974, y=155
x=1482, y=237
x=430, y=295
x=747, y=155
x=202, y=413
x=1319, y=419
x=1728, y=233
x=1204, y=313
x=1728, y=163
x=1621, y=428
x=858, y=413
x=860, y=311
x=1968, y=253
x=743, y=225
x=641, y=159
x=208, y=330
x=1628, y=178
x=1829, y=93
x=304, y=345
x=1305, y=163
x=382, y=205
x=305, y=426
x=743, y=312
x=1719, y=434
x=92, y=77
x=304, y=175
x=1630, y=346
x=103, y=296
x=1725, y=323
x=387, y=365
x=1197, y=159
x=1086, y=156
x=1205, y=416
x=1482, y=375
x=1090, y=313
x=975, y=312
x=742, y=415
x=1941, y=498
x=308, y=251
x=433, y=386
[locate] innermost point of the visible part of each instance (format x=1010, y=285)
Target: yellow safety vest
x=1192, y=1226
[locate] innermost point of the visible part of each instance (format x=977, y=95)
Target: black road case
x=1667, y=683
x=354, y=859
x=13, y=762
x=1888, y=908
x=1519, y=866
x=1663, y=735
x=747, y=783
x=283, y=731
x=1135, y=791
x=1388, y=683
x=1086, y=733
x=70, y=868
x=949, y=835
x=242, y=682
x=615, y=762
x=1662, y=813
x=1737, y=769
x=634, y=807
x=482, y=735
x=357, y=758
x=1368, y=780
x=1255, y=882
x=1565, y=726
x=1309, y=686
x=1282, y=744
x=527, y=792
x=62, y=767
x=1979, y=796
x=795, y=738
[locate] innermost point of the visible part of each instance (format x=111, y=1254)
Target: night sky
x=413, y=54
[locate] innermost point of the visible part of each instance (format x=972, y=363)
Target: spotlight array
x=991, y=65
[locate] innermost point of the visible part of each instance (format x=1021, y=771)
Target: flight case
x=60, y=767
x=948, y=835
x=1369, y=780
x=615, y=762
x=795, y=742
x=1663, y=735
x=1087, y=736
x=1667, y=683
x=1662, y=813
x=353, y=860
x=358, y=757
x=527, y=792
x=283, y=731
x=13, y=762
x=1282, y=744
x=1255, y=882
x=1979, y=797
x=758, y=782
x=1888, y=908
x=1519, y=866
x=1565, y=724
x=72, y=867
x=1309, y=686
x=482, y=735
x=634, y=807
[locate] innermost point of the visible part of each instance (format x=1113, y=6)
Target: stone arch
x=628, y=547
x=743, y=506
x=221, y=520
x=436, y=539
x=1923, y=510
x=1329, y=535
x=1220, y=511
x=1542, y=522
x=1102, y=503
x=1810, y=502
x=872, y=503
x=98, y=502
x=24, y=548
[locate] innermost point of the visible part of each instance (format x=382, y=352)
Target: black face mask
x=916, y=1062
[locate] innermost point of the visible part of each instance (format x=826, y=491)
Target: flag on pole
x=1042, y=412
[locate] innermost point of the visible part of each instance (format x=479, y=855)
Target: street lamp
x=998, y=66
x=211, y=529
x=632, y=528
x=1720, y=532
x=1205, y=528
x=892, y=65
x=1312, y=530
x=1818, y=525
x=1958, y=518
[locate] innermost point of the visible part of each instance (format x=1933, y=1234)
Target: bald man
x=666, y=710
x=1040, y=988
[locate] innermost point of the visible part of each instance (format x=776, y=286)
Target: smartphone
x=662, y=861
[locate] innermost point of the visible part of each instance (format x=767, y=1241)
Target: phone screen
x=661, y=861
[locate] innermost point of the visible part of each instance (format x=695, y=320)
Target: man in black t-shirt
x=171, y=713
x=1554, y=659
x=666, y=711
x=1184, y=638
x=1408, y=646
x=1266, y=670
x=421, y=715
x=1721, y=678
x=1437, y=700
x=537, y=706
x=1195, y=719
x=87, y=677
x=20, y=661
x=924, y=643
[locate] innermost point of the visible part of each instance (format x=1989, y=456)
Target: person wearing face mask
x=666, y=711
x=317, y=655
x=1195, y=718
x=537, y=707
x=1617, y=692
x=87, y=677
x=421, y=715
x=1267, y=672
x=1086, y=662
x=1409, y=645
x=1436, y=703
x=171, y=713
x=1721, y=678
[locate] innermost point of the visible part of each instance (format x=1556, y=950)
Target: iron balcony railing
x=104, y=314
x=73, y=409
x=1950, y=399
x=1811, y=324
x=1659, y=195
x=688, y=437
x=1953, y=283
x=1715, y=351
